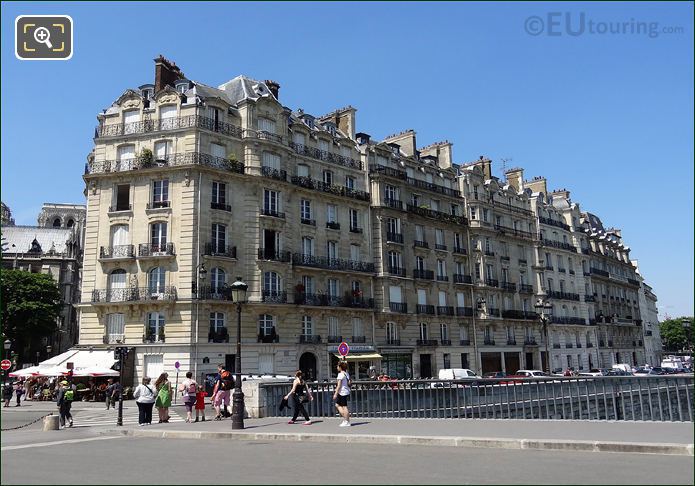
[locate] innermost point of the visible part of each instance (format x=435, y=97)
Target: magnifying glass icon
x=43, y=36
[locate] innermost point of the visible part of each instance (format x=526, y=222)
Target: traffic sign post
x=5, y=364
x=343, y=349
x=177, y=365
x=120, y=354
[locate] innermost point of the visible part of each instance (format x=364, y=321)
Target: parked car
x=494, y=378
x=530, y=374
x=650, y=371
x=454, y=374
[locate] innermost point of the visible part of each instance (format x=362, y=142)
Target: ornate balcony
x=401, y=307
x=445, y=310
x=156, y=250
x=491, y=282
x=427, y=342
x=511, y=342
x=220, y=206
x=380, y=169
x=219, y=335
x=464, y=311
x=158, y=205
x=530, y=341
x=334, y=225
x=335, y=339
x=505, y=230
x=167, y=124
x=493, y=311
x=394, y=237
x=423, y=274
x=273, y=213
x=216, y=250
x=318, y=154
x=208, y=292
x=525, y=288
x=445, y=342
x=393, y=204
x=316, y=185
x=464, y=342
x=589, y=298
x=420, y=244
x=117, y=252
x=272, y=173
x=331, y=263
x=173, y=160
x=113, y=338
x=393, y=342
x=271, y=337
x=310, y=222
x=519, y=314
x=554, y=294
x=273, y=297
x=599, y=272
x=355, y=229
x=153, y=336
x=508, y=286
x=428, y=186
x=436, y=215
x=359, y=339
x=488, y=341
x=397, y=271
x=559, y=244
x=274, y=255
x=568, y=320
x=424, y=309
x=302, y=298
x=442, y=278
x=133, y=294
x=552, y=222
x=462, y=279
x=460, y=250
x=439, y=246
x=309, y=339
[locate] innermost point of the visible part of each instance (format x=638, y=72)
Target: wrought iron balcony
x=508, y=286
x=569, y=345
x=586, y=251
x=393, y=203
x=505, y=230
x=334, y=225
x=578, y=345
x=445, y=342
x=335, y=339
x=273, y=296
x=316, y=185
x=428, y=186
x=488, y=342
x=423, y=274
x=559, y=244
x=331, y=263
x=493, y=311
x=424, y=309
x=561, y=270
x=113, y=338
x=589, y=298
x=152, y=336
x=549, y=267
x=274, y=255
x=272, y=212
x=393, y=342
x=489, y=253
x=213, y=292
x=381, y=169
x=526, y=288
x=568, y=320
x=555, y=294
x=437, y=215
x=394, y=237
x=491, y=282
x=401, y=307
x=355, y=229
x=460, y=250
x=219, y=335
x=462, y=279
x=116, y=252
x=464, y=311
x=511, y=342
x=445, y=310
x=632, y=281
x=397, y=271
x=464, y=342
x=217, y=250
x=442, y=278
x=133, y=294
x=155, y=250
x=326, y=156
x=589, y=345
x=272, y=173
x=420, y=244
x=598, y=271
x=519, y=314
x=504, y=258
x=556, y=346
x=530, y=341
x=120, y=207
x=167, y=124
x=310, y=222
x=359, y=339
x=309, y=339
x=221, y=206
x=522, y=261
x=427, y=342
x=263, y=135
x=302, y=298
x=158, y=205
x=268, y=338
x=572, y=272
x=552, y=222
x=172, y=160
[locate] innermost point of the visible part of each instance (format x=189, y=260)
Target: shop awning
x=361, y=356
x=81, y=358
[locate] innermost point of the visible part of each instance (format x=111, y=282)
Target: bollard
x=51, y=422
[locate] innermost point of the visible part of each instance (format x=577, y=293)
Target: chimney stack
x=274, y=88
x=166, y=73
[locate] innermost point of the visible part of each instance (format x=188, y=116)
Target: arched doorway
x=307, y=363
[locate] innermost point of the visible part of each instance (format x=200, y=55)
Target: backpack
x=227, y=382
x=69, y=395
x=192, y=389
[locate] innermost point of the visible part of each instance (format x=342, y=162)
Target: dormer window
x=309, y=120
x=181, y=86
x=330, y=128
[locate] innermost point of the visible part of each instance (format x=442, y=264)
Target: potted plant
x=145, y=158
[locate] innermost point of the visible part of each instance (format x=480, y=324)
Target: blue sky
x=608, y=116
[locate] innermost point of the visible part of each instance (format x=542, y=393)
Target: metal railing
x=324, y=155
x=117, y=251
x=155, y=250
x=462, y=279
x=273, y=296
x=331, y=263
x=133, y=294
x=165, y=124
x=666, y=399
x=218, y=250
x=309, y=183
x=171, y=160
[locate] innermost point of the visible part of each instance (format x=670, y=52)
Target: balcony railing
x=442, y=278
x=439, y=246
x=598, y=271
x=489, y=253
x=153, y=337
x=445, y=342
x=423, y=274
x=514, y=232
x=133, y=294
x=331, y=263
x=273, y=296
x=158, y=205
x=420, y=244
x=113, y=338
x=508, y=286
x=427, y=342
x=493, y=311
x=569, y=345
x=394, y=237
x=437, y=215
x=526, y=288
x=589, y=298
x=464, y=311
x=460, y=278
x=358, y=339
x=555, y=294
x=217, y=250
x=393, y=203
x=530, y=341
x=116, y=252
x=568, y=320
x=397, y=271
x=393, y=342
x=309, y=339
x=424, y=309
x=272, y=212
x=559, y=244
x=464, y=342
x=489, y=342
x=172, y=160
x=511, y=342
x=302, y=298
x=310, y=222
x=552, y=222
x=355, y=229
x=460, y=250
x=220, y=206
x=428, y=186
x=208, y=292
x=632, y=281
x=589, y=345
x=491, y=282
x=274, y=255
x=316, y=185
x=271, y=337
x=381, y=169
x=326, y=156
x=445, y=310
x=401, y=307
x=519, y=314
x=334, y=225
x=272, y=173
x=155, y=250
x=335, y=339
x=167, y=124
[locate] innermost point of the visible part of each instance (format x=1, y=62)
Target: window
x=454, y=209
x=308, y=283
x=419, y=233
x=219, y=195
x=444, y=334
x=505, y=275
x=357, y=327
x=219, y=238
x=115, y=328
x=302, y=170
x=548, y=260
x=130, y=119
x=331, y=249
x=218, y=278
x=423, y=331
x=489, y=272
x=160, y=194
x=474, y=213
x=119, y=235
x=271, y=202
x=475, y=192
x=395, y=259
x=439, y=237
x=510, y=335
x=333, y=287
x=419, y=263
x=442, y=298
x=421, y=297
x=328, y=177
x=488, y=245
x=354, y=219
x=350, y=182
x=299, y=138
x=415, y=199
x=441, y=268
x=162, y=150
x=390, y=193
x=217, y=321
x=155, y=327
x=271, y=160
x=458, y=240
x=56, y=223
x=307, y=326
x=460, y=299
x=323, y=145
x=117, y=285
x=562, y=285
x=158, y=236
x=391, y=332
x=393, y=225
x=305, y=209
x=272, y=283
x=307, y=246
x=550, y=284
x=331, y=213
x=460, y=268
x=333, y=328
x=266, y=324
x=395, y=294
x=217, y=150
x=123, y=197
x=435, y=205
x=157, y=280
x=266, y=125
x=485, y=214
x=355, y=253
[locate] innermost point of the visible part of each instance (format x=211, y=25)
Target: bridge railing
x=668, y=399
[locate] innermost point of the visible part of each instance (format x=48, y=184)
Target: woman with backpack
x=144, y=396
x=189, y=389
x=65, y=397
x=300, y=394
x=163, y=401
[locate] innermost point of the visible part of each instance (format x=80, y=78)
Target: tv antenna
x=504, y=163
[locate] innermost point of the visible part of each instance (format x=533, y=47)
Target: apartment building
x=417, y=262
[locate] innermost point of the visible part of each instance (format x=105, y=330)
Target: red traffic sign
x=343, y=349
x=5, y=364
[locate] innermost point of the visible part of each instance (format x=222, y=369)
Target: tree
x=674, y=336
x=31, y=304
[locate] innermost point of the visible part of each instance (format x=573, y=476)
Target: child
x=200, y=402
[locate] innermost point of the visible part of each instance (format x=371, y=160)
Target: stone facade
x=417, y=262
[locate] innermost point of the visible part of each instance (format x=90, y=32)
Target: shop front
x=397, y=362
x=363, y=362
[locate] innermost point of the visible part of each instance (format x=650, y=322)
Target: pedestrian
x=221, y=392
x=200, y=402
x=189, y=389
x=65, y=397
x=7, y=391
x=115, y=394
x=145, y=396
x=107, y=392
x=163, y=400
x=342, y=394
x=299, y=394
x=19, y=390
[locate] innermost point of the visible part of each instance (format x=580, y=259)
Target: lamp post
x=238, y=289
x=200, y=274
x=7, y=346
x=544, y=309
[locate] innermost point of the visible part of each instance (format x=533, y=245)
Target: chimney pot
x=274, y=87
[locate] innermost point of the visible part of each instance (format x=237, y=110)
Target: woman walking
x=163, y=401
x=300, y=394
x=188, y=389
x=144, y=396
x=342, y=394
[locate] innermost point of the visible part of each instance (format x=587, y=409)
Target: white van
x=456, y=374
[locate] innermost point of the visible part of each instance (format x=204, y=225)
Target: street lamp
x=238, y=289
x=8, y=345
x=49, y=348
x=544, y=309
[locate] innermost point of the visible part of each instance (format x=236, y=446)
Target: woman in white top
x=145, y=396
x=188, y=389
x=342, y=393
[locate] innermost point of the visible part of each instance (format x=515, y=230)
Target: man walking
x=65, y=397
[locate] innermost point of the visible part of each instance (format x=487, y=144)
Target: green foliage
x=674, y=336
x=31, y=303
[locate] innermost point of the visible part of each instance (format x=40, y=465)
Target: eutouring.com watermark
x=575, y=24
